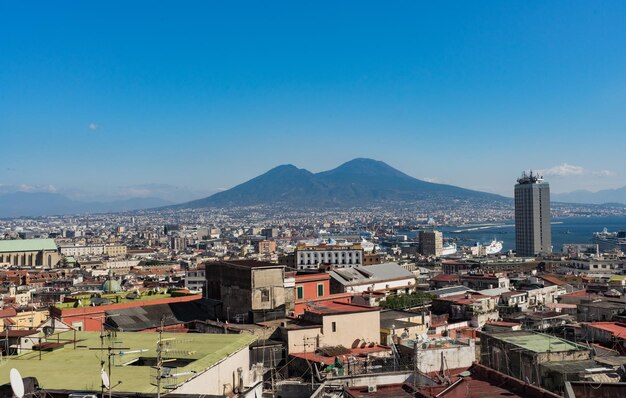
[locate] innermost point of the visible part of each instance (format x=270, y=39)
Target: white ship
x=609, y=241
x=494, y=247
x=449, y=249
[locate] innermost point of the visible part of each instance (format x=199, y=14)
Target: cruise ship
x=610, y=241
x=494, y=247
x=449, y=249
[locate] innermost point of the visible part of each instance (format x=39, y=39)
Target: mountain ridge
x=360, y=181
x=35, y=204
x=614, y=195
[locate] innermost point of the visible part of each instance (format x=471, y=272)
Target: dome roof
x=111, y=286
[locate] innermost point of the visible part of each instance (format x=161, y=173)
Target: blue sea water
x=564, y=230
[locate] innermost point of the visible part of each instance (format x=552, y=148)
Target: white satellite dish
x=105, y=379
x=17, y=384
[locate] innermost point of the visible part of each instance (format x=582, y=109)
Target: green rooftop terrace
x=538, y=342
x=84, y=300
x=78, y=368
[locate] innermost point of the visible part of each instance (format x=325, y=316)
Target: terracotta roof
x=617, y=329
x=7, y=312
x=445, y=278
x=502, y=323
x=553, y=280
x=311, y=277
x=327, y=360
x=335, y=307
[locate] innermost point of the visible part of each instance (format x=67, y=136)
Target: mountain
x=617, y=195
x=34, y=204
x=354, y=183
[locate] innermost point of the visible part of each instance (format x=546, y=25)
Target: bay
x=564, y=230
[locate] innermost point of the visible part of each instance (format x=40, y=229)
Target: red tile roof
x=445, y=278
x=336, y=307
x=617, y=329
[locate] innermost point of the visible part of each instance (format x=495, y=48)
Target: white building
x=384, y=278
x=195, y=279
x=82, y=251
x=344, y=255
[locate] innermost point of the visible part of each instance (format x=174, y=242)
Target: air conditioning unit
x=371, y=388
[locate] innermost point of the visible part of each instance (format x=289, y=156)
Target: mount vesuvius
x=359, y=182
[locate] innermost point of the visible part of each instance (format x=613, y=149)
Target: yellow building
x=115, y=250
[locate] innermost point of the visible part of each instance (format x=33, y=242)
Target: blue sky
x=179, y=99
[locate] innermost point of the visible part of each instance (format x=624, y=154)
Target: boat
x=449, y=249
x=609, y=241
x=494, y=247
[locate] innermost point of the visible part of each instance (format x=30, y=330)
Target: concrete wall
x=384, y=285
x=455, y=356
x=269, y=284
x=349, y=327
x=520, y=363
x=301, y=340
x=221, y=377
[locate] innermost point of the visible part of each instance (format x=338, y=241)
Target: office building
x=532, y=216
x=431, y=243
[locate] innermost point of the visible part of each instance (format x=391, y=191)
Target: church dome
x=111, y=286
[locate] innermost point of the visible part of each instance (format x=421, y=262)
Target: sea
x=564, y=230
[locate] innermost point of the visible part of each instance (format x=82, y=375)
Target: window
x=265, y=295
x=334, y=326
x=300, y=292
x=320, y=289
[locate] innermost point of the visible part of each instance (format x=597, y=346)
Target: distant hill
x=357, y=182
x=34, y=204
x=617, y=195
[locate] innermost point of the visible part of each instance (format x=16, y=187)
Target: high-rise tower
x=533, y=233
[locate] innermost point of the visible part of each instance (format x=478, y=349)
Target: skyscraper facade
x=533, y=232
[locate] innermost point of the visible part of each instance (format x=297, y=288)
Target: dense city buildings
x=533, y=232
x=315, y=299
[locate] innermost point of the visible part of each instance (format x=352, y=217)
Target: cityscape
x=271, y=202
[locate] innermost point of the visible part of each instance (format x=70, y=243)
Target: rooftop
x=371, y=273
x=450, y=290
x=81, y=366
x=27, y=245
x=536, y=342
x=617, y=329
x=301, y=277
x=336, y=308
x=248, y=264
x=120, y=298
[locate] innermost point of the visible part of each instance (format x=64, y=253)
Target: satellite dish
x=105, y=379
x=17, y=384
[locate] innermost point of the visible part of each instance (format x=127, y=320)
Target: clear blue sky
x=113, y=98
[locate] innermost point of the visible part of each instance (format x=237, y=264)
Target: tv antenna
x=17, y=384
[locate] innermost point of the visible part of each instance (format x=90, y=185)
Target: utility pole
x=159, y=365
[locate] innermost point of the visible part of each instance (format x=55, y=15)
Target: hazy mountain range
x=359, y=182
x=617, y=195
x=355, y=183
x=34, y=204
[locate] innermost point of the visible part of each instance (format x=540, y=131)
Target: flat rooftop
x=26, y=245
x=119, y=298
x=536, y=342
x=79, y=369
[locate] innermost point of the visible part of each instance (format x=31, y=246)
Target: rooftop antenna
x=17, y=384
